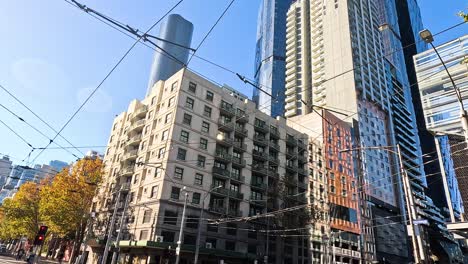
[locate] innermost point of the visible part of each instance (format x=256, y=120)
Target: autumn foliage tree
x=66, y=202
x=20, y=215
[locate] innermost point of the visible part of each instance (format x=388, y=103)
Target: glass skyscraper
x=270, y=56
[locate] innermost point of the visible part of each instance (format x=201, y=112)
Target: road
x=10, y=260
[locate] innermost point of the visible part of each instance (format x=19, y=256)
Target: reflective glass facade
x=270, y=56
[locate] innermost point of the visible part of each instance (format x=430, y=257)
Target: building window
x=146, y=216
x=161, y=152
x=158, y=172
x=189, y=103
x=143, y=234
x=168, y=118
x=196, y=198
x=168, y=236
x=178, y=173
x=207, y=111
x=164, y=135
x=203, y=143
x=201, y=161
x=332, y=189
x=192, y=221
x=198, y=179
x=170, y=102
x=184, y=136
x=205, y=127
x=154, y=191
x=174, y=86
x=170, y=218
x=212, y=227
x=187, y=119
x=209, y=96
x=343, y=180
x=181, y=154
x=344, y=193
x=192, y=87
x=175, y=193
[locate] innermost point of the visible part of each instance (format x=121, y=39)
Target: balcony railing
x=140, y=112
x=240, y=145
x=223, y=155
x=134, y=140
x=238, y=178
x=260, y=140
x=221, y=172
x=217, y=210
x=131, y=155
x=240, y=131
x=236, y=194
x=291, y=141
x=259, y=185
x=261, y=127
x=275, y=133
x=227, y=109
x=242, y=117
x=225, y=125
x=260, y=155
x=222, y=191
x=238, y=161
x=128, y=170
x=137, y=125
x=274, y=146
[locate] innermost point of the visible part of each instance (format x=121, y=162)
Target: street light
x=427, y=37
x=418, y=249
x=197, y=244
x=182, y=224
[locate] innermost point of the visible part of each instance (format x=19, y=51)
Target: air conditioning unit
x=159, y=239
x=208, y=245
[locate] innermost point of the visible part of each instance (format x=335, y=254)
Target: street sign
x=421, y=222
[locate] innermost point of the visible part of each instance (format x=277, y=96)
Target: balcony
x=274, y=160
x=227, y=109
x=239, y=146
x=127, y=171
x=290, y=155
x=260, y=140
x=137, y=125
x=291, y=141
x=262, y=127
x=236, y=195
x=140, y=112
x=302, y=171
x=237, y=178
x=258, y=185
x=259, y=155
x=223, y=156
x=302, y=158
x=291, y=167
x=274, y=133
x=221, y=191
x=224, y=141
x=274, y=146
x=242, y=117
x=135, y=140
x=238, y=161
x=273, y=173
x=131, y=155
x=221, y=172
x=125, y=187
x=259, y=169
x=225, y=126
x=240, y=131
x=301, y=145
x=217, y=210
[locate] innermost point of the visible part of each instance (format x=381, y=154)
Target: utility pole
x=181, y=232
x=111, y=230
x=119, y=234
x=415, y=234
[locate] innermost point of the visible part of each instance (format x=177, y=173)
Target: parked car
x=3, y=250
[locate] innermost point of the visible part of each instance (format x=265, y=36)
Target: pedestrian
x=20, y=254
x=60, y=256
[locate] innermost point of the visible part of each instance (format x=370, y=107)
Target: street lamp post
x=111, y=230
x=427, y=37
x=197, y=244
x=181, y=232
x=418, y=248
x=119, y=234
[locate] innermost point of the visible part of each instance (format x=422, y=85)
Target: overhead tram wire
x=107, y=76
x=37, y=116
x=209, y=31
x=38, y=131
x=246, y=80
x=18, y=135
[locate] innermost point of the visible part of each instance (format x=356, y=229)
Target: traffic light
x=42, y=230
x=40, y=237
x=39, y=240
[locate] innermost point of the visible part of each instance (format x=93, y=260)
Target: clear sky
x=52, y=55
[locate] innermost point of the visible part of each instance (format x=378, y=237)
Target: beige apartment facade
x=190, y=136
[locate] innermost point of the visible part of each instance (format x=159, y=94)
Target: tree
x=463, y=15
x=67, y=201
x=20, y=215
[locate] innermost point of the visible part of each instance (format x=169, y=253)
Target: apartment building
x=191, y=139
x=335, y=182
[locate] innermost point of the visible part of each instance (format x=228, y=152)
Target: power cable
x=36, y=115
x=106, y=77
x=211, y=29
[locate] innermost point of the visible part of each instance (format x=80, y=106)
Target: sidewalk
x=41, y=261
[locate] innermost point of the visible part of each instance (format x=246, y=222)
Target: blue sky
x=52, y=55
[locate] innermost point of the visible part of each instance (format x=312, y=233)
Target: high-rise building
x=173, y=52
x=334, y=181
x=58, y=165
x=338, y=57
x=270, y=56
x=192, y=137
x=5, y=169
